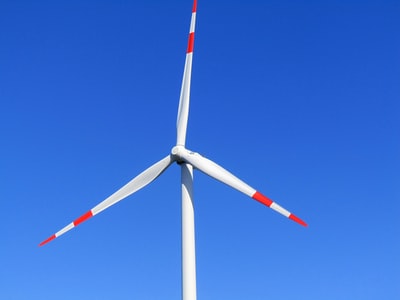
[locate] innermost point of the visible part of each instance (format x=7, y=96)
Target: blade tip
x=298, y=220
x=194, y=9
x=47, y=240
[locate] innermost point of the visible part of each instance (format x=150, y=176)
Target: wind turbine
x=188, y=160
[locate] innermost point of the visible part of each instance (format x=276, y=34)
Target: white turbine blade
x=212, y=169
x=183, y=110
x=134, y=185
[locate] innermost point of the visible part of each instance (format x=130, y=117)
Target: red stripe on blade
x=83, y=218
x=298, y=220
x=48, y=240
x=194, y=6
x=263, y=199
x=191, y=43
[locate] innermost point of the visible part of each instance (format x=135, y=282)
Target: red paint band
x=83, y=218
x=48, y=240
x=190, y=43
x=298, y=220
x=263, y=199
x=194, y=6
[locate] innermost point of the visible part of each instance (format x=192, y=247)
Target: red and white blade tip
x=75, y=223
x=191, y=33
x=268, y=202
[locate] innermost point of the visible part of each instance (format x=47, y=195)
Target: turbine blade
x=131, y=187
x=217, y=172
x=183, y=110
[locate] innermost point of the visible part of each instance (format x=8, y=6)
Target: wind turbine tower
x=188, y=161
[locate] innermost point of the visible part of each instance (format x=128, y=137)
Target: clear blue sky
x=300, y=100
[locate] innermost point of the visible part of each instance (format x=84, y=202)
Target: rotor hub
x=177, y=152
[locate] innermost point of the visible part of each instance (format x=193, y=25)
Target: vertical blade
x=183, y=110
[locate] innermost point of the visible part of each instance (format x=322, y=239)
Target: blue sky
x=300, y=100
